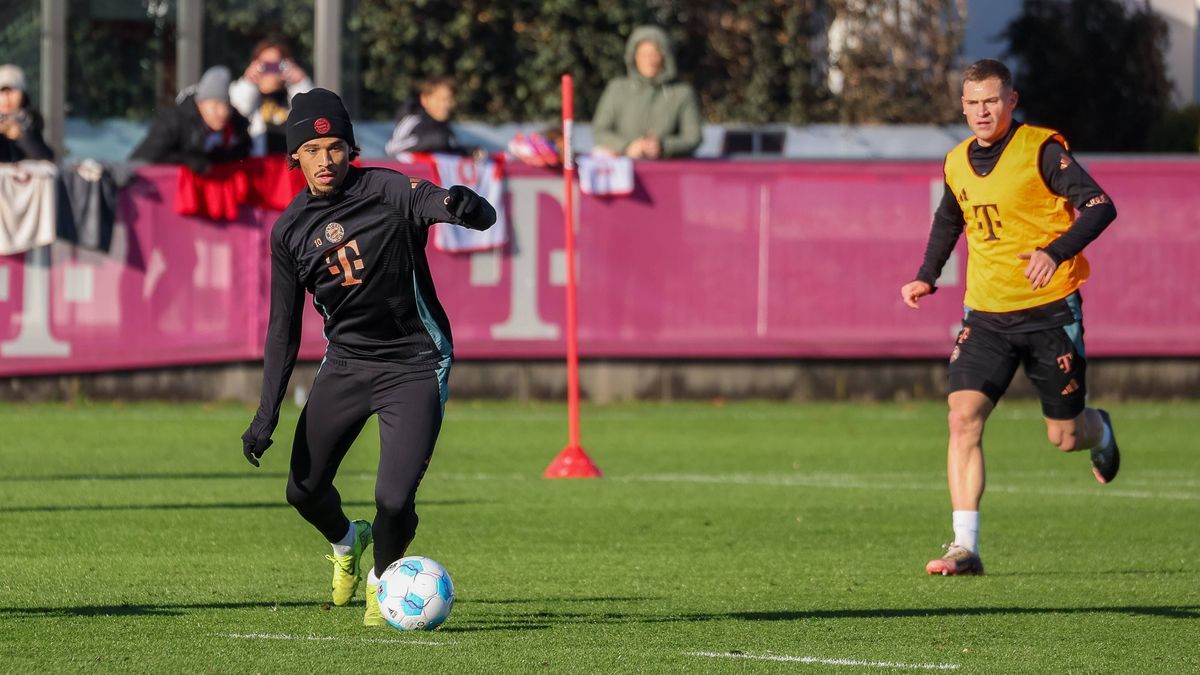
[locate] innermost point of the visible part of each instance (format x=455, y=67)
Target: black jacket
x=178, y=136
x=361, y=254
x=30, y=145
x=416, y=131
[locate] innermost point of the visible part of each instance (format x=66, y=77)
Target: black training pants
x=409, y=406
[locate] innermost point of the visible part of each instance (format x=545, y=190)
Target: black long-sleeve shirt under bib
x=1065, y=177
x=361, y=253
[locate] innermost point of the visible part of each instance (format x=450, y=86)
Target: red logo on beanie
x=321, y=126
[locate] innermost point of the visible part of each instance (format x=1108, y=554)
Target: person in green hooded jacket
x=647, y=114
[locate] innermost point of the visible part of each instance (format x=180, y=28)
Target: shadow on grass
x=172, y=475
x=144, y=610
x=56, y=508
x=543, y=620
x=1164, y=611
x=527, y=601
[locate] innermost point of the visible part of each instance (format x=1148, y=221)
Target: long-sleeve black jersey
x=1065, y=177
x=361, y=254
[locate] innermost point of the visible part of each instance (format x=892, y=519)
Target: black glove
x=462, y=203
x=253, y=447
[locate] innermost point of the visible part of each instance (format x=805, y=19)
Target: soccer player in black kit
x=355, y=239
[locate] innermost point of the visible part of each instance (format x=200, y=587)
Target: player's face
x=988, y=106
x=324, y=162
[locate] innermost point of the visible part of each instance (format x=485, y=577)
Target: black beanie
x=317, y=114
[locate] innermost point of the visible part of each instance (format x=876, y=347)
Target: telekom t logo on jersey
x=346, y=264
x=989, y=214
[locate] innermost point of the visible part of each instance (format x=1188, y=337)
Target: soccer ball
x=415, y=593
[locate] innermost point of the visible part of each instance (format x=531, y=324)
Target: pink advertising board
x=703, y=260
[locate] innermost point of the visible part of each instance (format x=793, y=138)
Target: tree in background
x=749, y=61
x=1092, y=69
x=232, y=28
x=895, y=61
x=20, y=45
x=120, y=58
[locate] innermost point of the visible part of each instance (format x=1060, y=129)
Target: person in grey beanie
x=20, y=124
x=201, y=130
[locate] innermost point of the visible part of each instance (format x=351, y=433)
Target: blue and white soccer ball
x=415, y=593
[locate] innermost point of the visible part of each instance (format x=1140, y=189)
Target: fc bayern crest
x=334, y=232
x=321, y=125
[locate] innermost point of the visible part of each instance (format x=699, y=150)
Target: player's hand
x=1039, y=269
x=462, y=202
x=254, y=447
x=913, y=291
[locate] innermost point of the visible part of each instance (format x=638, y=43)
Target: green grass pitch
x=737, y=537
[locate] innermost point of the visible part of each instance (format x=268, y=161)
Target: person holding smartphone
x=264, y=93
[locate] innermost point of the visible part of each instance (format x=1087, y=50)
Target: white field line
x=328, y=638
x=827, y=662
x=839, y=481
x=844, y=481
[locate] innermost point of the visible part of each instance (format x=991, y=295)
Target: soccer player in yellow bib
x=1028, y=210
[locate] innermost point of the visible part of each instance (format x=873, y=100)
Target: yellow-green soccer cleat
x=373, y=615
x=347, y=572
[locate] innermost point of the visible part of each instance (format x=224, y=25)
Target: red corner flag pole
x=572, y=462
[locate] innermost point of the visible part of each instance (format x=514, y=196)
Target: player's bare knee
x=964, y=422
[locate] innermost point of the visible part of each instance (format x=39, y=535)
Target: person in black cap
x=355, y=239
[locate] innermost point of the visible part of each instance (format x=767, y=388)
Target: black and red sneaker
x=1106, y=460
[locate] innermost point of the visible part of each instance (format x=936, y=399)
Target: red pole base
x=572, y=462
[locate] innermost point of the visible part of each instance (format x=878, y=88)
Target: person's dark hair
x=431, y=85
x=293, y=162
x=268, y=43
x=986, y=69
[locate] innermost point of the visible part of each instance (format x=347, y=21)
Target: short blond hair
x=986, y=69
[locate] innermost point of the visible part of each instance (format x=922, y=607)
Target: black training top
x=1066, y=178
x=361, y=253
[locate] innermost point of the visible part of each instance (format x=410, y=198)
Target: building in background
x=986, y=20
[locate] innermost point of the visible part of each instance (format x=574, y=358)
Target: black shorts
x=985, y=360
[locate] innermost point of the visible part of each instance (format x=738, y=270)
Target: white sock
x=1106, y=437
x=372, y=580
x=966, y=530
x=346, y=544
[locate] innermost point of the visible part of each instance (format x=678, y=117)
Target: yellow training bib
x=1008, y=212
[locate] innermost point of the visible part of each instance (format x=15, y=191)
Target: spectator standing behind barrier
x=201, y=130
x=264, y=95
x=424, y=121
x=20, y=125
x=647, y=114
